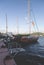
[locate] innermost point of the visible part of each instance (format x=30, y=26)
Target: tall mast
x=17, y=25
x=6, y=25
x=29, y=16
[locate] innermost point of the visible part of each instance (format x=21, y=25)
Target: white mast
x=6, y=24
x=29, y=16
x=17, y=25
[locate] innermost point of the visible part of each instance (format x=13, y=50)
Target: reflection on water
x=41, y=41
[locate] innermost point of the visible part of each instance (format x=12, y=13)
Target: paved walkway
x=3, y=53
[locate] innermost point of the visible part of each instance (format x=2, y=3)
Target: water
x=37, y=48
x=34, y=54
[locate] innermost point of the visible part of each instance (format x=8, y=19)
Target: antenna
x=29, y=16
x=6, y=25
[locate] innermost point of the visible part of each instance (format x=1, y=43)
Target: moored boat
x=29, y=39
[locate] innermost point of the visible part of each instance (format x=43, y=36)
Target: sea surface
x=36, y=50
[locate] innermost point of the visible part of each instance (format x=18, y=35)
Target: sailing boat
x=26, y=39
x=30, y=38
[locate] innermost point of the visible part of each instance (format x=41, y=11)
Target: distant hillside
x=38, y=33
x=35, y=33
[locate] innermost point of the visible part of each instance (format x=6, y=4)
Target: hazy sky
x=17, y=10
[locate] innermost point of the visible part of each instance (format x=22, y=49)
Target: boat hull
x=25, y=40
x=29, y=40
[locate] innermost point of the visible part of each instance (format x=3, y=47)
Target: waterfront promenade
x=3, y=53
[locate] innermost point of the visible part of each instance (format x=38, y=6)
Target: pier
x=3, y=53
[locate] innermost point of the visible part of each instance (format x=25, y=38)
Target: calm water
x=34, y=54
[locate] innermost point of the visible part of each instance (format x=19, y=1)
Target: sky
x=17, y=15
